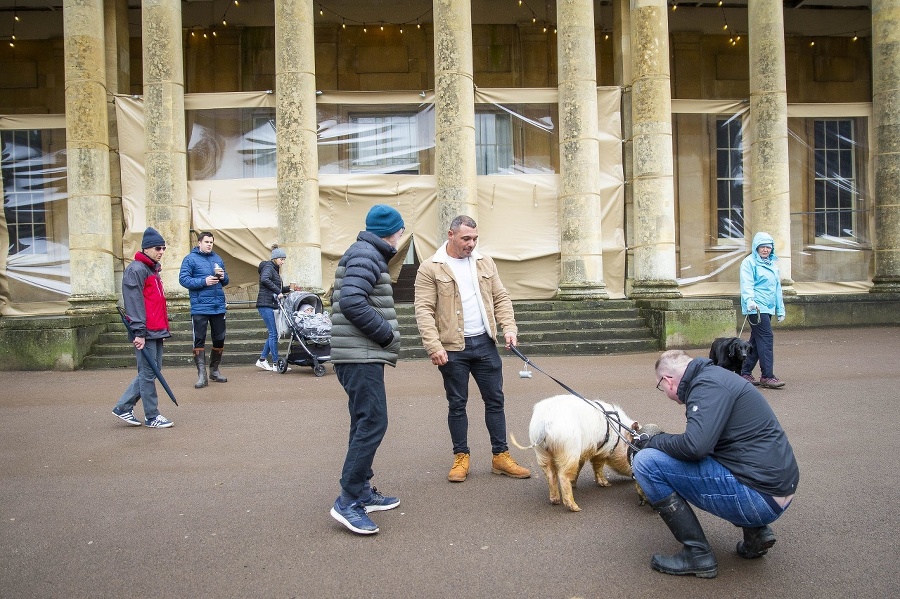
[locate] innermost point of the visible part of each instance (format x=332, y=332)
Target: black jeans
x=216, y=322
x=367, y=404
x=481, y=359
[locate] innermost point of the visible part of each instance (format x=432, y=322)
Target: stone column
x=168, y=207
x=298, y=159
x=87, y=151
x=653, y=183
x=581, y=247
x=621, y=38
x=770, y=207
x=118, y=79
x=454, y=104
x=886, y=157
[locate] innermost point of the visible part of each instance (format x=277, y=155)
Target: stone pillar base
x=655, y=290
x=570, y=292
x=92, y=304
x=885, y=285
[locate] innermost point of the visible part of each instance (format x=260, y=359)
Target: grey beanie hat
x=278, y=253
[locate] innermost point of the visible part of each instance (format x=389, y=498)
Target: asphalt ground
x=233, y=501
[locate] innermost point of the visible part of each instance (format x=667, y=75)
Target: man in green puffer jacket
x=365, y=337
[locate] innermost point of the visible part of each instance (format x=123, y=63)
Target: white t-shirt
x=472, y=322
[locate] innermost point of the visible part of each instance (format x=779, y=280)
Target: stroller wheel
x=282, y=366
x=319, y=370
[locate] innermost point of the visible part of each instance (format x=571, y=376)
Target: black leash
x=611, y=417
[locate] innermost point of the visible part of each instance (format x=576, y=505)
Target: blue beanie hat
x=278, y=253
x=383, y=221
x=152, y=238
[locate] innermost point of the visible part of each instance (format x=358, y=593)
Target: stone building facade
x=608, y=149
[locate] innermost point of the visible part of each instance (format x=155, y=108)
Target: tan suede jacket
x=439, y=307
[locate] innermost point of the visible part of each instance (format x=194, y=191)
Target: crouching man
x=733, y=460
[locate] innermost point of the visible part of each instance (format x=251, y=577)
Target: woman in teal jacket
x=761, y=299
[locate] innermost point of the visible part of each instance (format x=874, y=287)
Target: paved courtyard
x=233, y=500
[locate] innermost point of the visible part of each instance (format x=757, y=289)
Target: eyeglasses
x=159, y=248
x=660, y=383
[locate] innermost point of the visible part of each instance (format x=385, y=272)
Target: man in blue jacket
x=733, y=460
x=203, y=275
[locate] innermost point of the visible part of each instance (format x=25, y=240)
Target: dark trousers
x=216, y=324
x=367, y=404
x=762, y=343
x=481, y=359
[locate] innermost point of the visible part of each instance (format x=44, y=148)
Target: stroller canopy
x=298, y=298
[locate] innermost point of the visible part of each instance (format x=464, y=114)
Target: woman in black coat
x=271, y=290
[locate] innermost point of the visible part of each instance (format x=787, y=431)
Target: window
x=24, y=171
x=493, y=143
x=729, y=178
x=230, y=143
x=384, y=144
x=835, y=178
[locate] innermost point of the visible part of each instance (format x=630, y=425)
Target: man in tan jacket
x=459, y=303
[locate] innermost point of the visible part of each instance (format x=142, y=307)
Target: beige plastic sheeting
x=517, y=215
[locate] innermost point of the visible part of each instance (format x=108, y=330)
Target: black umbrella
x=151, y=363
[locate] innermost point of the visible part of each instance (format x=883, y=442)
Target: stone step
x=546, y=328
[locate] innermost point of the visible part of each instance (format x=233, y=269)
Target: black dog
x=729, y=353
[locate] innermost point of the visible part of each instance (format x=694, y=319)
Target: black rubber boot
x=757, y=542
x=696, y=557
x=216, y=357
x=200, y=362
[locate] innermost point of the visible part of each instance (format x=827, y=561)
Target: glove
x=780, y=317
x=752, y=307
x=640, y=439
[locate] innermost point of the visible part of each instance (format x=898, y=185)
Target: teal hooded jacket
x=761, y=279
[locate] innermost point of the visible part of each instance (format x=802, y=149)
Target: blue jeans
x=762, y=344
x=271, y=345
x=367, y=404
x=707, y=484
x=143, y=386
x=481, y=359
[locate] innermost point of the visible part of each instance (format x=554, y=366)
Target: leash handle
x=617, y=422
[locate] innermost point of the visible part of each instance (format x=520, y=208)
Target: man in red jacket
x=145, y=309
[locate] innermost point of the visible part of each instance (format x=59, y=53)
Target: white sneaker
x=264, y=364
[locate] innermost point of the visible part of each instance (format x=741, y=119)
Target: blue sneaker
x=376, y=502
x=354, y=517
x=127, y=417
x=159, y=422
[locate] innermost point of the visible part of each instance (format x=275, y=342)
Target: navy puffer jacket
x=364, y=321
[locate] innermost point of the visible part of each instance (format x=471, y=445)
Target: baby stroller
x=310, y=334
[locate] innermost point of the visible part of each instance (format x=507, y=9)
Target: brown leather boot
x=504, y=464
x=460, y=468
x=214, y=374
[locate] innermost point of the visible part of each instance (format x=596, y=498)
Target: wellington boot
x=216, y=357
x=460, y=468
x=757, y=542
x=696, y=557
x=200, y=362
x=504, y=464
